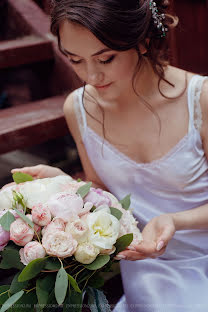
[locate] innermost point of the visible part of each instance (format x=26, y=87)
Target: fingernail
x=121, y=257
x=160, y=245
x=132, y=248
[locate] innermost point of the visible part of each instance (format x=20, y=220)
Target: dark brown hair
x=121, y=25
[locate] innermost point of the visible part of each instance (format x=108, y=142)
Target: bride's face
x=109, y=71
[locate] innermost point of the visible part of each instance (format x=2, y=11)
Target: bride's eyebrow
x=95, y=54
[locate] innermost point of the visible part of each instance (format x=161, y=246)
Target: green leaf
x=28, y=301
x=76, y=300
x=43, y=288
x=126, y=202
x=116, y=212
x=84, y=190
x=7, y=304
x=6, y=220
x=73, y=283
x=123, y=241
x=24, y=218
x=52, y=264
x=20, y=177
x=11, y=258
x=98, y=263
x=32, y=269
x=79, y=180
x=5, y=296
x=61, y=285
x=17, y=286
x=96, y=281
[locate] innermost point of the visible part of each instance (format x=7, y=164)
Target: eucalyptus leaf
x=96, y=281
x=84, y=190
x=76, y=301
x=14, y=298
x=126, y=202
x=123, y=242
x=17, y=286
x=28, y=301
x=11, y=258
x=116, y=212
x=6, y=220
x=98, y=263
x=32, y=269
x=52, y=264
x=5, y=295
x=61, y=285
x=43, y=288
x=73, y=283
x=24, y=218
x=20, y=177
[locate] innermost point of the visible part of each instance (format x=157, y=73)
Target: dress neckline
x=155, y=162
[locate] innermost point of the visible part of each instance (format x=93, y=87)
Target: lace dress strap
x=194, y=95
x=80, y=111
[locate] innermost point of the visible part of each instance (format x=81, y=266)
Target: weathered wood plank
x=32, y=123
x=25, y=50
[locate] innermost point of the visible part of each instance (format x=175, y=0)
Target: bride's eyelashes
x=102, y=62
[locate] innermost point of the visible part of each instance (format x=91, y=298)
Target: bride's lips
x=104, y=86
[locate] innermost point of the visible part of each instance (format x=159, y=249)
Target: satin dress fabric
x=177, y=281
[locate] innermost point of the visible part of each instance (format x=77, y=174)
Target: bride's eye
x=74, y=62
x=108, y=60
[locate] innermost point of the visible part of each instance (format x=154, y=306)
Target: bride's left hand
x=156, y=235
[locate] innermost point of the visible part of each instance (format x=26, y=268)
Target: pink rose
x=41, y=214
x=59, y=244
x=57, y=224
x=31, y=251
x=78, y=229
x=97, y=197
x=65, y=205
x=20, y=232
x=37, y=228
x=4, y=238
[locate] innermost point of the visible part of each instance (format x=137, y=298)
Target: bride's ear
x=144, y=46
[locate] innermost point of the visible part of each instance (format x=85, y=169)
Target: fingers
x=165, y=237
x=33, y=170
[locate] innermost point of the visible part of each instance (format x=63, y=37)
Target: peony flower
x=59, y=244
x=78, y=229
x=41, y=214
x=4, y=238
x=97, y=197
x=107, y=251
x=72, y=187
x=31, y=251
x=86, y=253
x=65, y=205
x=103, y=229
x=20, y=232
x=34, y=192
x=57, y=224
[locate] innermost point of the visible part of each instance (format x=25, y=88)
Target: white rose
x=86, y=253
x=78, y=229
x=31, y=251
x=34, y=192
x=59, y=244
x=103, y=229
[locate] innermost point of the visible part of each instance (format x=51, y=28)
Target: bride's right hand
x=40, y=171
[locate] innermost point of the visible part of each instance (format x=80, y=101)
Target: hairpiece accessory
x=158, y=18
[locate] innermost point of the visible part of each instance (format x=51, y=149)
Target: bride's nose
x=95, y=76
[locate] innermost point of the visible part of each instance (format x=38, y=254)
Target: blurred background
x=35, y=79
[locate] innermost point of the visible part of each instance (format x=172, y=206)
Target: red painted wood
x=32, y=15
x=191, y=40
x=32, y=123
x=24, y=50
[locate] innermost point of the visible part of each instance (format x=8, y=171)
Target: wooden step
x=32, y=123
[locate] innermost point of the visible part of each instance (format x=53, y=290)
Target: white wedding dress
x=178, y=280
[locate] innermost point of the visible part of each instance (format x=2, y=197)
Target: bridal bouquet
x=60, y=236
